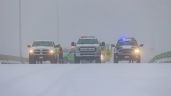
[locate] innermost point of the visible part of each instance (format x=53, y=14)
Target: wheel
x=61, y=60
x=98, y=60
x=131, y=61
x=41, y=61
x=138, y=61
x=32, y=60
x=77, y=59
x=53, y=60
x=115, y=60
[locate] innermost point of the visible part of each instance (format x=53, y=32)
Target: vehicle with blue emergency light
x=127, y=49
x=42, y=51
x=88, y=48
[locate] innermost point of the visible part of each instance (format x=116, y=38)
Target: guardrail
x=161, y=56
x=10, y=59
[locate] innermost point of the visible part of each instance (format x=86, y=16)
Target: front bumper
x=127, y=56
x=87, y=54
x=42, y=57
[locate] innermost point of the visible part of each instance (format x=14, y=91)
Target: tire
x=98, y=60
x=41, y=61
x=138, y=61
x=61, y=60
x=53, y=60
x=32, y=60
x=77, y=60
x=115, y=60
x=131, y=61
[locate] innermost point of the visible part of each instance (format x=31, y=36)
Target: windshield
x=121, y=43
x=42, y=43
x=87, y=41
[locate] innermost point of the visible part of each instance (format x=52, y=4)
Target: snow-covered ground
x=85, y=80
x=9, y=62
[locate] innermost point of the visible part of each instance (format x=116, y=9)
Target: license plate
x=41, y=57
x=126, y=57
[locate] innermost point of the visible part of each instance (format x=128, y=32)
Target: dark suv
x=127, y=49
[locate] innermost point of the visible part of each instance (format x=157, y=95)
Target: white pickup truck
x=41, y=51
x=87, y=48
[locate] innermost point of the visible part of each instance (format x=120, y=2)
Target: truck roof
x=127, y=39
x=88, y=37
x=43, y=41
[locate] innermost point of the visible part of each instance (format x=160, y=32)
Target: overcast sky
x=64, y=21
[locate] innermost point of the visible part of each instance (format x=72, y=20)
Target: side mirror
x=56, y=46
x=103, y=44
x=112, y=45
x=28, y=46
x=73, y=44
x=141, y=45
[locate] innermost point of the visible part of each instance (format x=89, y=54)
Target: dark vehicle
x=127, y=49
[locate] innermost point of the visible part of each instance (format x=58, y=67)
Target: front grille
x=125, y=50
x=87, y=53
x=41, y=52
x=45, y=50
x=36, y=52
x=87, y=49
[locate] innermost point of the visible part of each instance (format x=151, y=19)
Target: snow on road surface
x=85, y=80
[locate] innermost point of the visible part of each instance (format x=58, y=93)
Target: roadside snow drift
x=85, y=80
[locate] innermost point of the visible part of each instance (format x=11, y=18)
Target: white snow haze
x=64, y=21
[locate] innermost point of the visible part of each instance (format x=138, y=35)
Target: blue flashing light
x=123, y=38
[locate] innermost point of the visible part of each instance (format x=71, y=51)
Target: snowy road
x=85, y=80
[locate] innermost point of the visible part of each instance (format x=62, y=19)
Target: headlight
x=31, y=51
x=102, y=57
x=51, y=52
x=136, y=51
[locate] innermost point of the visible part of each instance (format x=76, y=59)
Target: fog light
x=31, y=51
x=102, y=57
x=136, y=51
x=51, y=51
